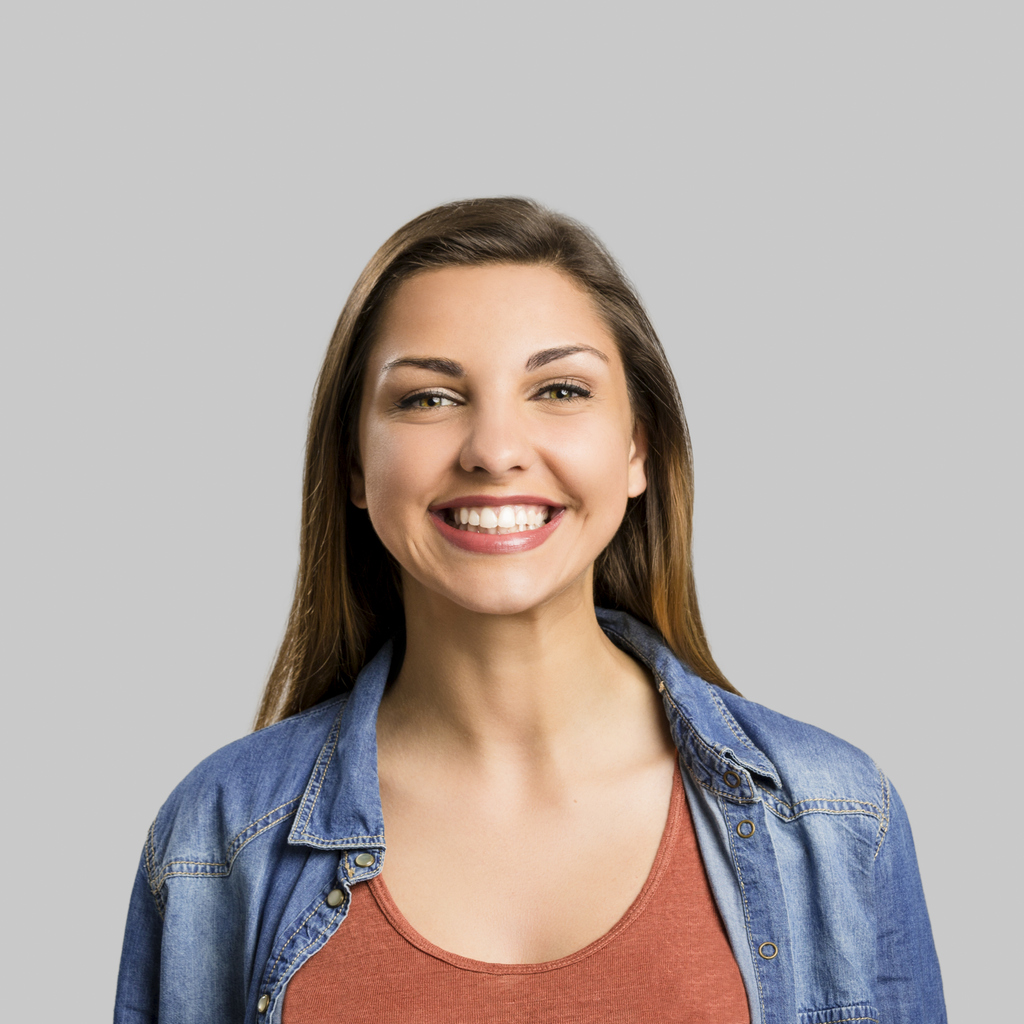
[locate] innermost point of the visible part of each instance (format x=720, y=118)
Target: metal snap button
x=732, y=780
x=335, y=898
x=364, y=860
x=261, y=1006
x=768, y=950
x=745, y=829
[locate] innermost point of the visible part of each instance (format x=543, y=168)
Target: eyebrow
x=549, y=355
x=450, y=368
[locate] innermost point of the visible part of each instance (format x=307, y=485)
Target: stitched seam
x=270, y=825
x=846, y=1020
x=150, y=860
x=284, y=945
x=690, y=729
x=191, y=874
x=237, y=838
x=338, y=844
x=814, y=810
x=216, y=863
x=663, y=689
x=773, y=803
x=150, y=855
x=699, y=740
x=717, y=792
x=883, y=825
x=332, y=739
x=156, y=886
x=219, y=863
x=730, y=721
x=199, y=863
x=825, y=799
x=746, y=914
x=327, y=925
x=732, y=795
x=808, y=1011
x=267, y=815
x=803, y=1014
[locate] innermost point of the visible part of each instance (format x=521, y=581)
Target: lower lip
x=497, y=543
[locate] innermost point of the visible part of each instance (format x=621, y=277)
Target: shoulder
x=797, y=767
x=239, y=792
x=816, y=770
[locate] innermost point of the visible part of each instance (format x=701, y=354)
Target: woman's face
x=496, y=441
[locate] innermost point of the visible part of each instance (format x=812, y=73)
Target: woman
x=495, y=658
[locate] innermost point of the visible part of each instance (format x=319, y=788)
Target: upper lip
x=494, y=500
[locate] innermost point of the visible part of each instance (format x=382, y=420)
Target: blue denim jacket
x=248, y=867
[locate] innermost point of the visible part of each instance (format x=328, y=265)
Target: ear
x=637, y=473
x=357, y=486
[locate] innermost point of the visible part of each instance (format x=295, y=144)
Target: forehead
x=471, y=307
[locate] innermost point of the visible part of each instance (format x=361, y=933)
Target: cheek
x=593, y=464
x=399, y=466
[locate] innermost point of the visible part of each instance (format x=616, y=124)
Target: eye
x=563, y=391
x=426, y=400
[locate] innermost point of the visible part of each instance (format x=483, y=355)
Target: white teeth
x=499, y=519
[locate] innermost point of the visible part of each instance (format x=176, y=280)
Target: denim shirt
x=248, y=868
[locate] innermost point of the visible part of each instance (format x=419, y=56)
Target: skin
x=525, y=763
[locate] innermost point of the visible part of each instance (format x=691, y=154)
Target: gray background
x=820, y=204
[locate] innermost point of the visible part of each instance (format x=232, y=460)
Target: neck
x=512, y=686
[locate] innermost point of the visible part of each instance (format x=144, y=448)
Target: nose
x=497, y=441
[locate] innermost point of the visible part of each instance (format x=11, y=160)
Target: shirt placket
x=306, y=936
x=756, y=868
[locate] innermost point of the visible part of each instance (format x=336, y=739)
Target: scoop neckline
x=379, y=889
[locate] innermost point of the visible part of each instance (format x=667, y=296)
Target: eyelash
x=577, y=391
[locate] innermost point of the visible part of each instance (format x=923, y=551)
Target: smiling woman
x=348, y=599
x=497, y=774
x=530, y=390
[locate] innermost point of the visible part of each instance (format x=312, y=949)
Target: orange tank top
x=666, y=960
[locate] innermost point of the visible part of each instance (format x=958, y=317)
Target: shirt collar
x=341, y=810
x=702, y=725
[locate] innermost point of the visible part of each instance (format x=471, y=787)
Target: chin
x=505, y=606
x=512, y=597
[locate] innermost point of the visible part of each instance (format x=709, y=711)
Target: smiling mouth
x=497, y=519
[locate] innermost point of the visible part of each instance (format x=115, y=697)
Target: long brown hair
x=347, y=595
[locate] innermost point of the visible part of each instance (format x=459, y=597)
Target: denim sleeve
x=909, y=984
x=138, y=981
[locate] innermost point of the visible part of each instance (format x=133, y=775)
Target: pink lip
x=495, y=543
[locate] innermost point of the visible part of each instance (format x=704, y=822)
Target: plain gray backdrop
x=820, y=205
